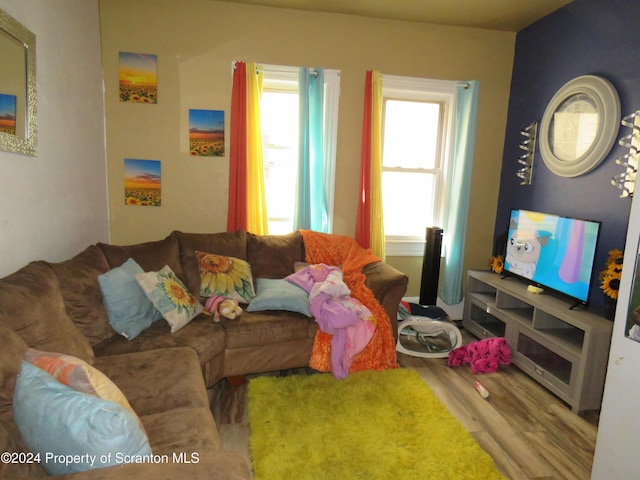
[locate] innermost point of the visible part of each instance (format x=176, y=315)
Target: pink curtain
x=237, y=209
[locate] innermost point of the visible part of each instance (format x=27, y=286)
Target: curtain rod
x=312, y=72
x=281, y=69
x=403, y=79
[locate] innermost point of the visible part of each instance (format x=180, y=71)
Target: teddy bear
x=219, y=307
x=484, y=356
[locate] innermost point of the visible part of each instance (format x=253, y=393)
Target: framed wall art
x=206, y=133
x=138, y=78
x=142, y=182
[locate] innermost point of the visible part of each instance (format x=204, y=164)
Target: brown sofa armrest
x=389, y=286
x=219, y=465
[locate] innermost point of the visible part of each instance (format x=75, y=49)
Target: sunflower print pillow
x=228, y=277
x=170, y=297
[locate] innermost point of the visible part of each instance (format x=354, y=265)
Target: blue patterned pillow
x=56, y=421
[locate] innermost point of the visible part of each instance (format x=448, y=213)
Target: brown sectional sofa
x=58, y=307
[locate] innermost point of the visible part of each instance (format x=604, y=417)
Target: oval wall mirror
x=18, y=119
x=579, y=126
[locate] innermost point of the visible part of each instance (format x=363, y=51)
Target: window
x=279, y=112
x=417, y=126
x=279, y=117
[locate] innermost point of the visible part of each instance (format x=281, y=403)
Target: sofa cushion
x=150, y=255
x=31, y=304
x=278, y=294
x=226, y=276
x=157, y=381
x=182, y=430
x=54, y=419
x=273, y=256
x=78, y=279
x=170, y=297
x=79, y=375
x=202, y=334
x=253, y=329
x=11, y=355
x=130, y=311
x=10, y=441
x=233, y=244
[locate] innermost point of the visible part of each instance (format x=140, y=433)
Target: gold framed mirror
x=18, y=103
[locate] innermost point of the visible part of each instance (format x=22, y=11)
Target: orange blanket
x=345, y=253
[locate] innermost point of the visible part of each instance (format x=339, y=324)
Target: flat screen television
x=552, y=251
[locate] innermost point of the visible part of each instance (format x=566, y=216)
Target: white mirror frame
x=27, y=145
x=605, y=97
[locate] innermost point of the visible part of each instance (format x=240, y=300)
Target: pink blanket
x=337, y=314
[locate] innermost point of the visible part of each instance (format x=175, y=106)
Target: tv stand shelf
x=564, y=349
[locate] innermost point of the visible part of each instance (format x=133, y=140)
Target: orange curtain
x=237, y=209
x=363, y=220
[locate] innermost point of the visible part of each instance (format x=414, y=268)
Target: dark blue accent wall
x=586, y=37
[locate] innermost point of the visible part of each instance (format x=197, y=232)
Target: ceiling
x=507, y=15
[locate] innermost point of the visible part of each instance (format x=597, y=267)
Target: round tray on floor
x=427, y=338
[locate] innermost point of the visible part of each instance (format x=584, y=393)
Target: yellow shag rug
x=371, y=425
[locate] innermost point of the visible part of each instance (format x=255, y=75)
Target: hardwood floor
x=530, y=433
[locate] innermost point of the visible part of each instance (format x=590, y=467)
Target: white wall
x=54, y=205
x=618, y=443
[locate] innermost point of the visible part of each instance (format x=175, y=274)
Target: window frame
x=442, y=92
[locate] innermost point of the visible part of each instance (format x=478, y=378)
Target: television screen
x=552, y=251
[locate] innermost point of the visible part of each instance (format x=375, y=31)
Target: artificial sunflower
x=610, y=276
x=614, y=261
x=497, y=264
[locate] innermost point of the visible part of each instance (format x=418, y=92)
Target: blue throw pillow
x=129, y=310
x=70, y=430
x=276, y=294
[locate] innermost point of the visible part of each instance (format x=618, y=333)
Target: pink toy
x=218, y=307
x=484, y=356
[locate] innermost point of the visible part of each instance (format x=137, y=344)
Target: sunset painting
x=206, y=133
x=138, y=77
x=142, y=182
x=8, y=114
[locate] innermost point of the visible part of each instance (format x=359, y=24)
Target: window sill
x=404, y=248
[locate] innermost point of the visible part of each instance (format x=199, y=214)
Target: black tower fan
x=431, y=266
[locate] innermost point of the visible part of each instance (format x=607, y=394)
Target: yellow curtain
x=256, y=200
x=377, y=217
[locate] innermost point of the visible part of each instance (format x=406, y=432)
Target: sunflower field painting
x=8, y=114
x=138, y=77
x=142, y=182
x=206, y=133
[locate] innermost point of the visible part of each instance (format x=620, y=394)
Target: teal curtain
x=458, y=186
x=311, y=201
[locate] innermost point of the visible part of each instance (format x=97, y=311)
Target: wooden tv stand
x=564, y=349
